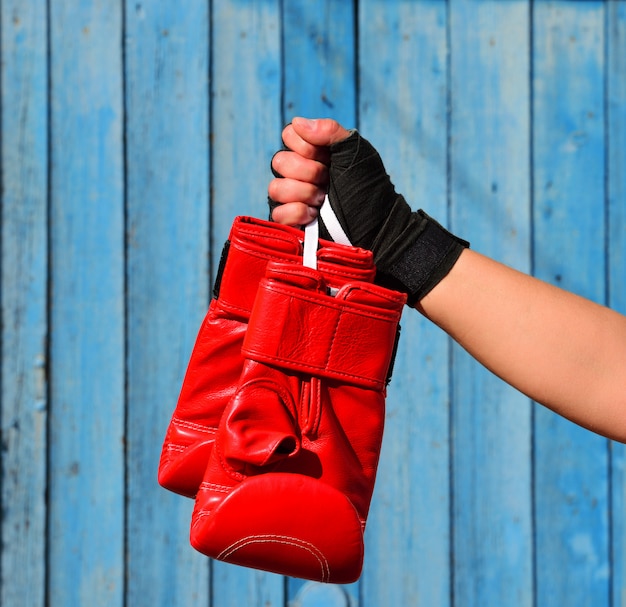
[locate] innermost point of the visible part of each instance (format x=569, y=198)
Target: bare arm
x=561, y=350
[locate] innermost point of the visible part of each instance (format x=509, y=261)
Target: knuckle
x=274, y=189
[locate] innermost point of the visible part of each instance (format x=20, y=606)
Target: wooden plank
x=402, y=103
x=86, y=471
x=24, y=301
x=315, y=594
x=616, y=182
x=318, y=40
x=167, y=104
x=571, y=464
x=247, y=114
x=246, y=126
x=490, y=198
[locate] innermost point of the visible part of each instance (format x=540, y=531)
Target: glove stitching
x=305, y=408
x=215, y=487
x=182, y=423
x=234, y=308
x=390, y=317
x=312, y=395
x=261, y=254
x=372, y=382
x=315, y=389
x=237, y=476
x=329, y=354
x=174, y=447
x=273, y=386
x=278, y=233
x=278, y=539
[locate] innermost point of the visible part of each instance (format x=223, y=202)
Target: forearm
x=561, y=350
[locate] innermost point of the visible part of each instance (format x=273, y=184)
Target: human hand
x=412, y=252
x=324, y=157
x=302, y=170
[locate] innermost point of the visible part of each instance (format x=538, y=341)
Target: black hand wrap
x=412, y=251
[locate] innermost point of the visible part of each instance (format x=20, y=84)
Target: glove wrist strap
x=325, y=336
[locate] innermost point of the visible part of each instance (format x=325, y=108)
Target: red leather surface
x=291, y=428
x=216, y=361
x=342, y=337
x=298, y=526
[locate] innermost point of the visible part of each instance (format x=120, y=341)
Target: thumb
x=257, y=427
x=319, y=131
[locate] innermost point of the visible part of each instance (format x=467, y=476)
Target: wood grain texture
x=132, y=135
x=24, y=282
x=319, y=60
x=315, y=594
x=247, y=113
x=616, y=257
x=246, y=126
x=407, y=538
x=86, y=467
x=490, y=200
x=167, y=163
x=571, y=465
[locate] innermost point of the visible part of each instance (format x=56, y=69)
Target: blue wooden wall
x=132, y=134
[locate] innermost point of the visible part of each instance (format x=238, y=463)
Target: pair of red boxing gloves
x=278, y=427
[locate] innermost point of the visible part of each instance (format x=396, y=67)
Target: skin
x=561, y=350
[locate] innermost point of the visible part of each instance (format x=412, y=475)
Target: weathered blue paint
x=87, y=366
x=401, y=46
x=23, y=290
x=167, y=261
x=314, y=594
x=571, y=465
x=132, y=137
x=246, y=73
x=319, y=46
x=616, y=258
x=490, y=200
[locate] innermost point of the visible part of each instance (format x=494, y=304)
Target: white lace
x=312, y=231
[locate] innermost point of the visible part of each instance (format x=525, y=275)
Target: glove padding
x=216, y=361
x=289, y=483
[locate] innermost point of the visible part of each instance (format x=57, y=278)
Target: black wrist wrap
x=412, y=252
x=422, y=260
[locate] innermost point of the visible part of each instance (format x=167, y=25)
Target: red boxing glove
x=290, y=479
x=216, y=361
